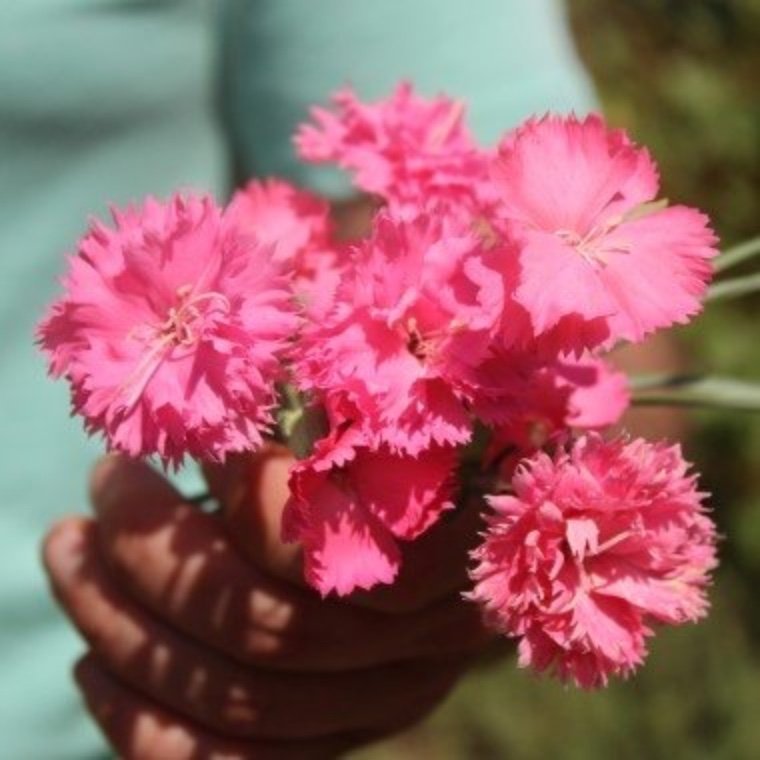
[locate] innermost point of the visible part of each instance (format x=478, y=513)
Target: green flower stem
x=734, y=288
x=738, y=254
x=696, y=391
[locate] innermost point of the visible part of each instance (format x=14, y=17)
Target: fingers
x=212, y=690
x=177, y=562
x=139, y=729
x=254, y=491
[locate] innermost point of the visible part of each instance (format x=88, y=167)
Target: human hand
x=204, y=642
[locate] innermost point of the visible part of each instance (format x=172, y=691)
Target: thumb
x=253, y=490
x=117, y=480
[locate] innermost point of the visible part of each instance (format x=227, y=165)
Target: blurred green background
x=683, y=77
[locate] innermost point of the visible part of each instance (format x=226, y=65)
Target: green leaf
x=737, y=254
x=734, y=288
x=696, y=390
x=308, y=427
x=299, y=423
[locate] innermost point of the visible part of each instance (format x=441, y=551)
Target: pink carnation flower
x=404, y=148
x=170, y=330
x=350, y=506
x=407, y=330
x=280, y=215
x=599, y=393
x=595, y=261
x=594, y=546
x=296, y=225
x=529, y=402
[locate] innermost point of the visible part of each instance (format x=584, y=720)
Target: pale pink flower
x=596, y=260
x=404, y=148
x=595, y=546
x=350, y=505
x=410, y=323
x=169, y=331
x=296, y=225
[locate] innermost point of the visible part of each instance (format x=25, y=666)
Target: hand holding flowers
x=461, y=346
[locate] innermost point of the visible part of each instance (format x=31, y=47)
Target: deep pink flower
x=529, y=402
x=595, y=262
x=404, y=148
x=595, y=546
x=599, y=393
x=282, y=216
x=296, y=224
x=350, y=505
x=170, y=330
x=410, y=323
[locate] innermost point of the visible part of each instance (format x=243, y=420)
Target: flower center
x=181, y=323
x=180, y=328
x=423, y=345
x=593, y=246
x=419, y=344
x=415, y=343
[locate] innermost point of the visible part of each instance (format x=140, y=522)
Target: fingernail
x=64, y=547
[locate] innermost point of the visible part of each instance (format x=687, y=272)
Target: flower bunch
x=486, y=295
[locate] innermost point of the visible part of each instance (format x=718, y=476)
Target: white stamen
x=175, y=330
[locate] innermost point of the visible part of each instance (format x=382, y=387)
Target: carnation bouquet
x=456, y=353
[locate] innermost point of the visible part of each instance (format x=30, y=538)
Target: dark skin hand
x=204, y=642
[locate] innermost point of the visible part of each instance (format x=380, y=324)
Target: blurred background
x=683, y=77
